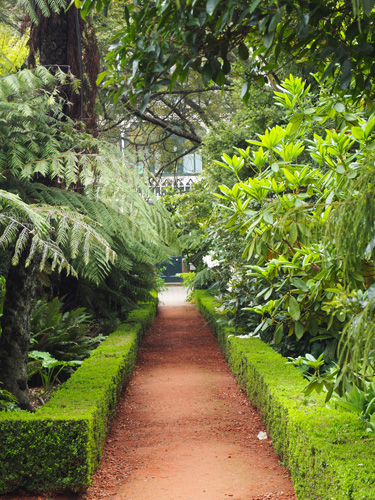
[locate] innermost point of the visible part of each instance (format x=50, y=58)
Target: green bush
x=58, y=447
x=326, y=450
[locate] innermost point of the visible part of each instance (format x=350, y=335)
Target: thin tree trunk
x=15, y=337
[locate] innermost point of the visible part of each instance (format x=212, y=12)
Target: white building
x=186, y=173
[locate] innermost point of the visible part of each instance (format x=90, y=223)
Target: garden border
x=58, y=447
x=327, y=451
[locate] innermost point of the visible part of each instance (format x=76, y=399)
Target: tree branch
x=165, y=126
x=193, y=148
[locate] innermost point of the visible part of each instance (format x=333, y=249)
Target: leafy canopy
x=160, y=41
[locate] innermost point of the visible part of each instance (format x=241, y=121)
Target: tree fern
x=38, y=144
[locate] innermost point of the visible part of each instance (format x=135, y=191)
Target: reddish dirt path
x=184, y=430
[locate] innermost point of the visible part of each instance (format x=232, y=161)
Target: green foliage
x=46, y=6
x=79, y=234
x=160, y=42
x=66, y=435
x=2, y=296
x=50, y=368
x=325, y=449
x=294, y=236
x=160, y=283
x=38, y=142
x=13, y=49
x=191, y=213
x=189, y=279
x=245, y=120
x=64, y=335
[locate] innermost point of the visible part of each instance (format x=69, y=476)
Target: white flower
x=207, y=259
x=262, y=435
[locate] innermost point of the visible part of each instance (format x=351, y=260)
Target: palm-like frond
x=46, y=6
x=22, y=226
x=40, y=144
x=125, y=233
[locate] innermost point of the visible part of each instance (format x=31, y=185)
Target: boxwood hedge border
x=327, y=451
x=58, y=447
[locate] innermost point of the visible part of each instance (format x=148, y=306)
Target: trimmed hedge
x=58, y=447
x=327, y=451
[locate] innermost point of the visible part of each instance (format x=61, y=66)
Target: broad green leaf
x=298, y=330
x=341, y=316
x=268, y=293
x=245, y=92
x=145, y=101
x=358, y=133
x=290, y=177
x=220, y=78
x=350, y=117
x=243, y=52
x=371, y=292
x=300, y=284
x=268, y=39
x=268, y=217
x=211, y=6
x=279, y=334
x=254, y=5
x=339, y=107
x=298, y=117
x=101, y=77
x=346, y=76
x=294, y=309
x=293, y=233
x=207, y=73
x=276, y=18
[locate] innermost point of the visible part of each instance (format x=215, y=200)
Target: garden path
x=184, y=430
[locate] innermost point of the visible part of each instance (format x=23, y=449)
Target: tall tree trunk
x=64, y=41
x=15, y=337
x=57, y=40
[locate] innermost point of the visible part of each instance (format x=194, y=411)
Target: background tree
x=163, y=41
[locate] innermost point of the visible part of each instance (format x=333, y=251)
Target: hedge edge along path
x=327, y=451
x=58, y=447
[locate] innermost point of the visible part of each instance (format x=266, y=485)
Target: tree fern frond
x=45, y=6
x=20, y=245
x=84, y=231
x=10, y=232
x=14, y=202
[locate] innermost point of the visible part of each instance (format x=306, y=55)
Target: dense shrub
x=58, y=447
x=326, y=450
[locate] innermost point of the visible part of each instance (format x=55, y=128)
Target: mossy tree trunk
x=15, y=337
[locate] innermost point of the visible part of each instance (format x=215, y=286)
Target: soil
x=184, y=430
